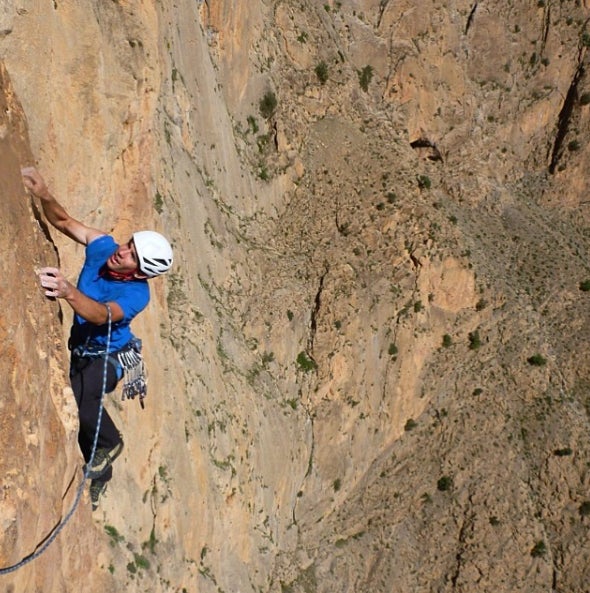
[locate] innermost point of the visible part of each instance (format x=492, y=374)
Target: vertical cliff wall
x=40, y=462
x=368, y=365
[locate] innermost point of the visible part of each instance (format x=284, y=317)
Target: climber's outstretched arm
x=54, y=211
x=57, y=286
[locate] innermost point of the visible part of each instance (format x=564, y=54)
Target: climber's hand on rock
x=34, y=182
x=54, y=282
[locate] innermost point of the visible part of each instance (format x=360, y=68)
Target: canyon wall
x=368, y=366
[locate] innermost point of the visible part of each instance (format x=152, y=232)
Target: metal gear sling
x=128, y=364
x=130, y=361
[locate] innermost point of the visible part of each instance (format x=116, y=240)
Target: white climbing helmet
x=153, y=252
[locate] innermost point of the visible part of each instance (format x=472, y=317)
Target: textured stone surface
x=40, y=461
x=343, y=389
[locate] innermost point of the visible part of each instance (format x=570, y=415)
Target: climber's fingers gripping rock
x=54, y=282
x=34, y=182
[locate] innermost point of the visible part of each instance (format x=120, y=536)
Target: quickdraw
x=131, y=362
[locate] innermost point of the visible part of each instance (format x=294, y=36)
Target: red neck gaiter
x=106, y=273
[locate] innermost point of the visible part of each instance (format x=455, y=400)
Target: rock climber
x=113, y=277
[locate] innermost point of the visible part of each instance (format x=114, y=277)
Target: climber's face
x=124, y=260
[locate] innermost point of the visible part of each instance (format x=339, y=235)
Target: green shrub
x=158, y=202
x=474, y=340
x=141, y=561
x=584, y=509
x=365, y=76
x=392, y=350
x=585, y=285
x=114, y=534
x=445, y=483
x=539, y=549
x=573, y=145
x=424, y=182
x=252, y=124
x=263, y=172
x=536, y=360
x=150, y=544
x=268, y=104
x=564, y=452
x=585, y=99
x=410, y=424
x=321, y=71
x=481, y=305
x=447, y=341
x=306, y=363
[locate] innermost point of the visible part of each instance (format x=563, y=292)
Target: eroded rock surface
x=368, y=368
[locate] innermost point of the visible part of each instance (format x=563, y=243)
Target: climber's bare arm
x=54, y=211
x=57, y=286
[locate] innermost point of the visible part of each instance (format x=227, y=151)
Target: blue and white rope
x=80, y=491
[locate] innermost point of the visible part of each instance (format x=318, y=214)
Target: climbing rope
x=80, y=491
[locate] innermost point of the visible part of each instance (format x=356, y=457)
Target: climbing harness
x=128, y=364
x=70, y=513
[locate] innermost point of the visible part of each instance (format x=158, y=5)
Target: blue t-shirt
x=131, y=295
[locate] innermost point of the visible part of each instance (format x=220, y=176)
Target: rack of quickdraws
x=135, y=379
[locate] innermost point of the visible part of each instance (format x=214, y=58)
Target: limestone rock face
x=40, y=461
x=368, y=366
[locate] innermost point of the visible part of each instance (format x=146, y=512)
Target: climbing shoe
x=103, y=458
x=97, y=489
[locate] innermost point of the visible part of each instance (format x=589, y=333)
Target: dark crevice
x=421, y=143
x=459, y=557
x=343, y=228
x=316, y=309
x=557, y=563
x=415, y=261
x=432, y=154
x=470, y=18
x=382, y=6
x=564, y=117
x=310, y=417
x=546, y=23
x=45, y=230
x=465, y=532
x=275, y=136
